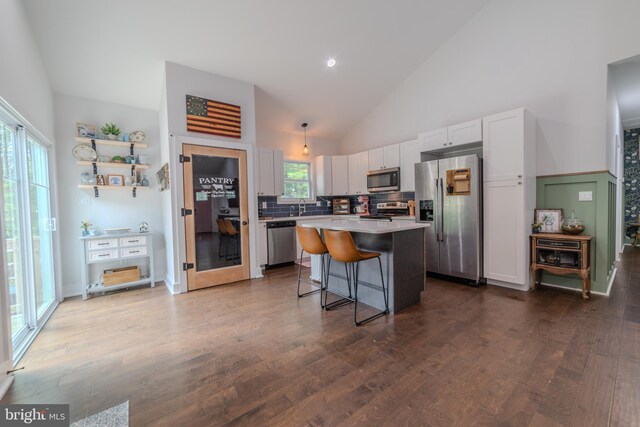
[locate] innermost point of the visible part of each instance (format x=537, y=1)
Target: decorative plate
x=116, y=230
x=136, y=136
x=84, y=152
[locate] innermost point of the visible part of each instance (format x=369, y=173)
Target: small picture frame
x=100, y=180
x=551, y=220
x=86, y=131
x=163, y=177
x=116, y=180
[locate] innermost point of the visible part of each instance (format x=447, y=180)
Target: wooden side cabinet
x=561, y=254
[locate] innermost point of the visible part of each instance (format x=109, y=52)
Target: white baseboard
x=523, y=288
x=5, y=383
x=171, y=287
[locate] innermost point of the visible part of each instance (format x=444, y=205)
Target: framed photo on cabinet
x=550, y=220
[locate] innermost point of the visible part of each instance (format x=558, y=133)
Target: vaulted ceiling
x=114, y=50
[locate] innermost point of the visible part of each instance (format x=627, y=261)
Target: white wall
x=23, y=79
x=615, y=154
x=548, y=56
x=111, y=209
x=179, y=82
x=279, y=128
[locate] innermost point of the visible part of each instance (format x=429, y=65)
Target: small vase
x=145, y=181
x=111, y=137
x=85, y=233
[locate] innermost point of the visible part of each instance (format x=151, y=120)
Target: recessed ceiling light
x=331, y=62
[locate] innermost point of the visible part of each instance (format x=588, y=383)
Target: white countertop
x=298, y=218
x=344, y=217
x=362, y=226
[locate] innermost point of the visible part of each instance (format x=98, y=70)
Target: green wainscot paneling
x=561, y=192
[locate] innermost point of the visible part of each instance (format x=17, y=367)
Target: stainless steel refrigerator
x=449, y=197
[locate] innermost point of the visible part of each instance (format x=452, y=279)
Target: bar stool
x=342, y=248
x=311, y=243
x=222, y=230
x=233, y=235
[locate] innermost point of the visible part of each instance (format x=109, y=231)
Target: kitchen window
x=297, y=182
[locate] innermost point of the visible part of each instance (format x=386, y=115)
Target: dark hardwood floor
x=254, y=354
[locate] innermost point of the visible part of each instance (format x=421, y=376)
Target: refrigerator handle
x=441, y=201
x=437, y=221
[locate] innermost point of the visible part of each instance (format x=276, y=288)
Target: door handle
x=441, y=211
x=435, y=207
x=244, y=222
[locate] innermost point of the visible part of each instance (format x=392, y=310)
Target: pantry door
x=216, y=216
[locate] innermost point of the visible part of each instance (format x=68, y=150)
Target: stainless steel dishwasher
x=281, y=242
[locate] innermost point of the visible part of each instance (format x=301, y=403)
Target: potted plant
x=536, y=227
x=111, y=131
x=85, y=224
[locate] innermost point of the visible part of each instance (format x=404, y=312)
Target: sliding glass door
x=28, y=231
x=42, y=225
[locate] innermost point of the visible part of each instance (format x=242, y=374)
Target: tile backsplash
x=276, y=210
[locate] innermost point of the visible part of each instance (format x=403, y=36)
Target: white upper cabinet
x=278, y=172
x=451, y=136
x=464, y=133
x=354, y=169
x=358, y=168
x=391, y=156
x=323, y=176
x=504, y=146
x=340, y=175
x=376, y=159
x=363, y=171
x=266, y=173
x=270, y=165
x=409, y=156
x=384, y=157
x=434, y=139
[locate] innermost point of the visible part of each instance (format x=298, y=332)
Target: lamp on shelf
x=305, y=149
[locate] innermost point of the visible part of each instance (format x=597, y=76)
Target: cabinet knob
x=519, y=176
x=519, y=182
x=444, y=145
x=450, y=143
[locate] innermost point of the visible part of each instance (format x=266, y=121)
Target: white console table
x=113, y=249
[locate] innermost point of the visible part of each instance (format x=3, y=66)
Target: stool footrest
x=370, y=318
x=338, y=303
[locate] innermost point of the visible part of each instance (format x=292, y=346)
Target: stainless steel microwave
x=383, y=180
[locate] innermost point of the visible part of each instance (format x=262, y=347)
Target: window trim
x=312, y=196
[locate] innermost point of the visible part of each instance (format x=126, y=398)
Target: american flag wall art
x=213, y=117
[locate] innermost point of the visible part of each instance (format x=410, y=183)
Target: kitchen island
x=401, y=244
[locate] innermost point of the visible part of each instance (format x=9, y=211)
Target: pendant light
x=305, y=149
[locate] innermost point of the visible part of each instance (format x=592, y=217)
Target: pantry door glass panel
x=217, y=232
x=41, y=225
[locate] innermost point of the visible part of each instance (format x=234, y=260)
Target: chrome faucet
x=291, y=210
x=301, y=207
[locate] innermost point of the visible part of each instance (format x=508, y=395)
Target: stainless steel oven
x=383, y=180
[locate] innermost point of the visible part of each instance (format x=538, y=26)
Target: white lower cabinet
x=505, y=245
x=262, y=243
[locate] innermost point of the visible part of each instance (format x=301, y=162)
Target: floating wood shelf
x=113, y=187
x=83, y=140
x=113, y=165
